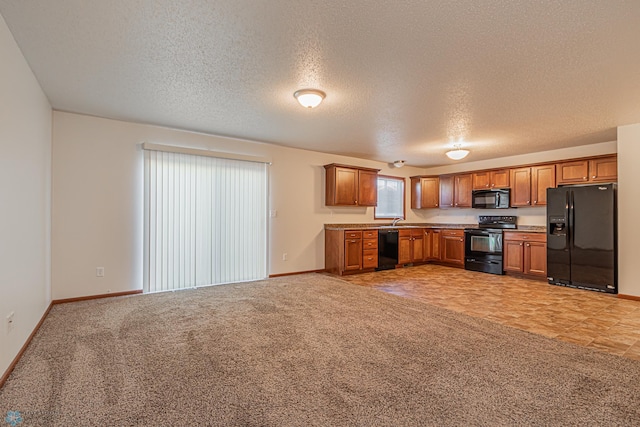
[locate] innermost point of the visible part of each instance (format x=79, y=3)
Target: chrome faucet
x=395, y=221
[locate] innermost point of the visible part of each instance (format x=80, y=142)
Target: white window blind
x=390, y=197
x=205, y=220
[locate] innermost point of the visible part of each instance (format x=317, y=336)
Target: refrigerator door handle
x=571, y=220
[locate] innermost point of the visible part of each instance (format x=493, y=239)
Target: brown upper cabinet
x=351, y=186
x=573, y=172
x=462, y=189
x=601, y=169
x=520, y=187
x=498, y=178
x=425, y=192
x=529, y=185
x=542, y=177
x=446, y=191
x=455, y=191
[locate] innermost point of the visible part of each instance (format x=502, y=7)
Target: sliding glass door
x=205, y=221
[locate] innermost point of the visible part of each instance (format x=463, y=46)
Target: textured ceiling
x=403, y=79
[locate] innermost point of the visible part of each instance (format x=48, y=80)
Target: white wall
x=25, y=187
x=98, y=190
x=526, y=216
x=98, y=201
x=628, y=208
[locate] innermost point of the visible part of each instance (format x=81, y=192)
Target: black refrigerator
x=582, y=237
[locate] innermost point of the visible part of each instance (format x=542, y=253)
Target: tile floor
x=592, y=319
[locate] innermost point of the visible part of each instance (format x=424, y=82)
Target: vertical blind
x=205, y=221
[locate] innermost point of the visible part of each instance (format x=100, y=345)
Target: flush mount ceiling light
x=309, y=98
x=457, y=153
x=398, y=163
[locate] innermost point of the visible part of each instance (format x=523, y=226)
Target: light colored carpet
x=306, y=350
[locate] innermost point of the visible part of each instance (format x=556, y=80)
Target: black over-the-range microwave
x=490, y=199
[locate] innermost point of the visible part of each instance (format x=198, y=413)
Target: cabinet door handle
x=436, y=204
x=584, y=178
x=528, y=245
x=520, y=244
x=527, y=202
x=535, y=202
x=461, y=240
x=353, y=241
x=593, y=177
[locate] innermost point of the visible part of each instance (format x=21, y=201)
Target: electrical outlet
x=273, y=213
x=99, y=271
x=284, y=256
x=10, y=321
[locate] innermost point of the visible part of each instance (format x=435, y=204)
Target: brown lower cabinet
x=410, y=245
x=350, y=251
x=353, y=253
x=431, y=244
x=525, y=254
x=356, y=251
x=452, y=243
x=445, y=246
x=369, y=249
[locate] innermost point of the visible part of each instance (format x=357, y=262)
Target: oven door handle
x=480, y=233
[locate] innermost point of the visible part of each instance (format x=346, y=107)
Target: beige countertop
x=376, y=226
x=531, y=228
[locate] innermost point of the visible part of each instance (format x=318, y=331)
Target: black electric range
x=483, y=245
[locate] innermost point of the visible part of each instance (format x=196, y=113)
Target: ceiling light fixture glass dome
x=309, y=98
x=457, y=153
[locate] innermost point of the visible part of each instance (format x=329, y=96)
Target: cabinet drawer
x=370, y=234
x=369, y=244
x=404, y=233
x=455, y=233
x=370, y=258
x=529, y=237
x=353, y=234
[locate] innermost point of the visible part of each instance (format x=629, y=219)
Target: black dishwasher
x=387, y=249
